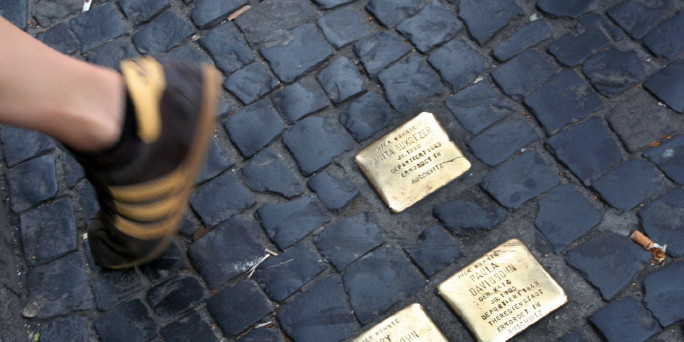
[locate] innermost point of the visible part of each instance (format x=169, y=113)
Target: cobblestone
x=457, y=63
x=46, y=12
x=591, y=34
x=614, y=71
x=283, y=275
x=217, y=162
x=485, y=18
x=328, y=4
x=527, y=37
x=70, y=328
x=287, y=223
x=271, y=17
x=251, y=82
x=432, y=26
x=139, y=12
x=134, y=316
x=112, y=288
x=19, y=144
x=185, y=52
x=662, y=219
x=15, y=12
x=175, y=296
x=667, y=85
x=661, y=40
x=97, y=26
x=315, y=142
x=209, y=12
x=638, y=17
x=262, y=335
x=341, y=80
x=380, y=50
x=410, y=82
x=461, y=215
x=391, y=12
x=300, y=99
x=227, y=47
x=670, y=158
x=190, y=327
x=268, y=172
x=221, y=198
x=499, y=142
x=366, y=116
x=478, y=106
x=238, y=307
x=60, y=38
x=644, y=180
x=663, y=288
x=252, y=128
x=345, y=25
x=566, y=8
x=48, y=231
x=524, y=73
x=112, y=53
x=170, y=263
x=335, y=192
x=434, y=250
x=346, y=241
x=32, y=182
x=163, y=33
x=625, y=320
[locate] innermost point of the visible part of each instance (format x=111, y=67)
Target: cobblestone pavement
x=570, y=112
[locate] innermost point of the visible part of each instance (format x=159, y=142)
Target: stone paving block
x=168, y=264
x=527, y=37
x=587, y=149
x=663, y=221
x=457, y=63
x=73, y=171
x=16, y=12
x=188, y=226
x=608, y=261
x=269, y=17
x=565, y=215
x=391, y=12
x=478, y=106
x=341, y=80
x=175, y=296
x=519, y=179
x=263, y=335
x=345, y=25
x=209, y=12
x=286, y=223
x=380, y=50
x=186, y=53
x=614, y=71
x=644, y=180
x=58, y=288
x=638, y=17
x=432, y=26
x=87, y=199
x=227, y=47
x=335, y=192
x=670, y=158
x=46, y=12
x=328, y=4
x=409, y=82
x=346, y=241
x=163, y=33
x=564, y=99
x=267, y=172
x=322, y=310
x=591, y=34
x=485, y=18
x=433, y=251
x=69, y=328
x=378, y=281
x=571, y=9
x=663, y=41
x=315, y=142
x=668, y=85
x=97, y=26
x=190, y=327
x=48, y=231
x=366, y=116
x=293, y=53
x=663, y=292
x=60, y=38
x=251, y=82
x=113, y=287
x=625, y=320
x=139, y=12
x=227, y=251
x=239, y=306
x=254, y=127
x=300, y=99
x=574, y=336
x=111, y=54
x=524, y=73
x=139, y=326
x=32, y=182
x=216, y=162
x=499, y=142
x=458, y=215
x=283, y=275
x=19, y=144
x=221, y=198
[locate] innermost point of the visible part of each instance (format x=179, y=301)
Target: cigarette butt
x=642, y=240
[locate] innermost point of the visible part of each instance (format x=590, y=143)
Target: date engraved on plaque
x=503, y=292
x=412, y=162
x=411, y=324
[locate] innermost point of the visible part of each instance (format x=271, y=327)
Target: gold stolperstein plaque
x=412, y=162
x=503, y=292
x=411, y=324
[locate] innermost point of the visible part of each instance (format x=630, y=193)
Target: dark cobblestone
x=564, y=216
x=608, y=261
x=485, y=18
x=110, y=54
x=499, y=142
x=300, y=99
x=524, y=73
x=432, y=26
x=239, y=306
x=70, y=328
x=46, y=12
x=19, y=144
x=670, y=158
x=614, y=71
x=221, y=198
x=380, y=50
x=410, y=82
x=345, y=25
x=644, y=180
x=328, y=4
x=637, y=17
x=434, y=250
x=527, y=37
x=262, y=335
x=283, y=275
x=15, y=12
x=344, y=242
x=187, y=53
x=228, y=48
x=562, y=8
x=663, y=290
x=460, y=215
x=519, y=179
x=662, y=39
x=175, y=296
x=97, y=26
x=140, y=12
x=32, y=182
x=87, y=199
x=227, y=251
x=60, y=38
x=391, y=12
x=574, y=336
x=315, y=142
x=251, y=82
x=341, y=80
x=320, y=311
x=48, y=231
x=562, y=100
x=268, y=18
x=139, y=326
x=335, y=192
x=591, y=34
x=163, y=33
x=254, y=127
x=190, y=327
x=668, y=85
x=168, y=264
x=209, y=12
x=217, y=162
x=366, y=116
x=287, y=223
x=478, y=106
x=268, y=172
x=587, y=149
x=73, y=171
x=112, y=288
x=457, y=63
x=662, y=221
x=625, y=320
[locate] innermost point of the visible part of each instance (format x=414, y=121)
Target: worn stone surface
x=345, y=25
x=527, y=37
x=668, y=86
x=251, y=82
x=267, y=19
x=346, y=241
x=168, y=264
x=662, y=221
x=163, y=33
x=499, y=142
x=625, y=320
x=478, y=106
x=524, y=73
x=315, y=142
x=15, y=12
x=335, y=192
x=262, y=335
x=380, y=50
x=366, y=116
x=32, y=182
x=14, y=325
x=614, y=71
x=485, y=18
x=216, y=162
x=48, y=231
x=70, y=328
x=328, y=4
x=341, y=80
x=293, y=53
x=457, y=63
x=208, y=12
x=410, y=82
x=227, y=47
x=661, y=40
x=638, y=17
x=138, y=12
x=187, y=52
x=663, y=288
x=175, y=296
x=252, y=128
x=267, y=172
x=60, y=38
x=46, y=12
x=434, y=250
x=300, y=99
x=392, y=12
x=97, y=26
x=572, y=9
x=643, y=177
x=190, y=327
x=432, y=26
x=283, y=275
x=219, y=199
x=591, y=34
x=112, y=288
x=286, y=223
x=134, y=316
x=670, y=158
x=19, y=144
x=460, y=215
x=110, y=54
x=238, y=307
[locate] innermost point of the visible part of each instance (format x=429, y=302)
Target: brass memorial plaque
x=503, y=292
x=412, y=162
x=411, y=324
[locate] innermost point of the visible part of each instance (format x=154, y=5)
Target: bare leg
x=77, y=103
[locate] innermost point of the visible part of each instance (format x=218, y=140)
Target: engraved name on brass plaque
x=503, y=292
x=412, y=162
x=411, y=324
